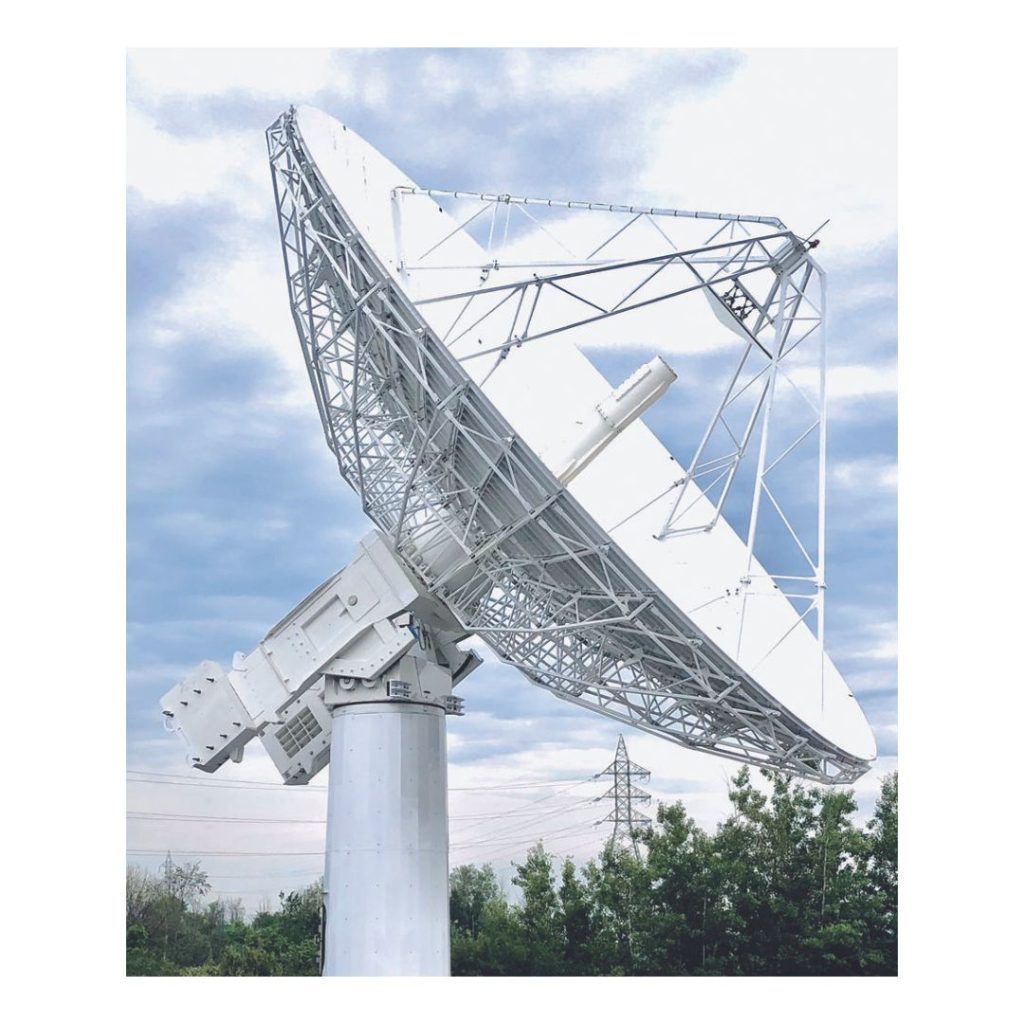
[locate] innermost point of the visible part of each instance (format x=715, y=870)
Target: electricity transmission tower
x=625, y=818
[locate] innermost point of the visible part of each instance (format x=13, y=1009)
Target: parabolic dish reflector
x=448, y=390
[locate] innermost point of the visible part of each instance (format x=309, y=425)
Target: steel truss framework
x=773, y=295
x=624, y=817
x=484, y=524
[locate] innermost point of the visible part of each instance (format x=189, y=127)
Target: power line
x=502, y=839
x=559, y=833
x=539, y=800
x=512, y=847
x=223, y=853
x=251, y=787
x=508, y=845
x=300, y=873
x=171, y=816
x=243, y=892
x=166, y=779
x=493, y=837
x=566, y=849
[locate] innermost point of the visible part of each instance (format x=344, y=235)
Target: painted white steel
x=601, y=425
x=387, y=842
x=543, y=389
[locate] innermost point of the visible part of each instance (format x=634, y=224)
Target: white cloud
x=858, y=296
x=873, y=641
x=229, y=167
x=597, y=72
x=206, y=530
x=804, y=135
x=847, y=383
x=242, y=304
x=850, y=382
x=870, y=681
x=260, y=72
x=239, y=298
x=866, y=475
x=883, y=646
x=568, y=75
x=443, y=75
x=374, y=88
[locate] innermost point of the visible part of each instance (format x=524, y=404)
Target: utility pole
x=625, y=818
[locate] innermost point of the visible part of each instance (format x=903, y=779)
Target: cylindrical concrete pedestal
x=387, y=842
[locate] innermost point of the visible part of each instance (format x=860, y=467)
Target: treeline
x=171, y=931
x=786, y=885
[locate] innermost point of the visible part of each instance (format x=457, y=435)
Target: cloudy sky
x=235, y=507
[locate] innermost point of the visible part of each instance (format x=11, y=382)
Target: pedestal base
x=387, y=842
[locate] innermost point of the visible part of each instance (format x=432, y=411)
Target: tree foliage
x=170, y=931
x=788, y=884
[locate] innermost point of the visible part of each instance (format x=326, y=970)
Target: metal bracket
x=368, y=634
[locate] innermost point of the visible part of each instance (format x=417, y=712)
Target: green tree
x=620, y=890
x=187, y=883
x=838, y=942
x=882, y=871
x=540, y=914
x=689, y=914
x=499, y=949
x=140, y=892
x=470, y=889
x=285, y=941
x=577, y=921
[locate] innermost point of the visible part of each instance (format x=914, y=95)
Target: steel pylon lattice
x=626, y=820
x=482, y=521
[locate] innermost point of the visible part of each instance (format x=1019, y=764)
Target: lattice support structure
x=625, y=817
x=768, y=290
x=484, y=524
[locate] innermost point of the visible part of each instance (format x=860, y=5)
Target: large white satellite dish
x=540, y=388
x=519, y=497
